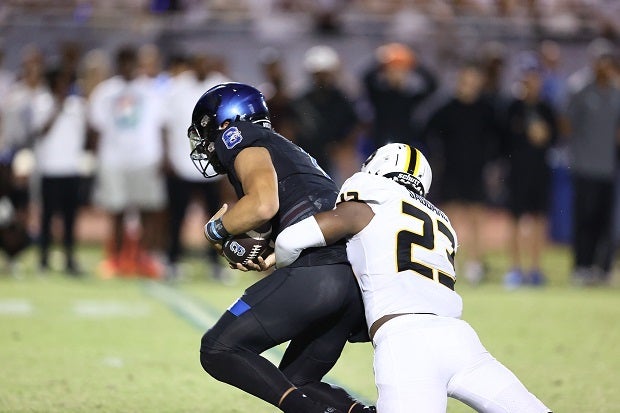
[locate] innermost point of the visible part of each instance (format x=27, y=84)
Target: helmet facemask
x=203, y=152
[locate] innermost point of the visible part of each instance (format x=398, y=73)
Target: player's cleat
x=358, y=407
x=513, y=279
x=584, y=277
x=108, y=268
x=74, y=270
x=149, y=267
x=296, y=401
x=536, y=278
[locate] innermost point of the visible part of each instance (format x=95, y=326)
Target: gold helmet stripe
x=417, y=162
x=407, y=160
x=412, y=164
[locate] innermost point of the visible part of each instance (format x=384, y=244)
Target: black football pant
x=593, y=212
x=317, y=308
x=59, y=195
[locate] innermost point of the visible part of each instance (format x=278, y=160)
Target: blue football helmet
x=226, y=102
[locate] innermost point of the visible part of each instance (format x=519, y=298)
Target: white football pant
x=420, y=360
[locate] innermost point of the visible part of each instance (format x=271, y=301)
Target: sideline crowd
x=109, y=131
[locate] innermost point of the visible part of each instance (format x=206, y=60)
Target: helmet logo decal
x=231, y=137
x=417, y=187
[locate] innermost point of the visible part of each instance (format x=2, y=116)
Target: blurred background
x=515, y=103
x=106, y=280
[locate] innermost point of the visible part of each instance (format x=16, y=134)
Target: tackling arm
x=324, y=228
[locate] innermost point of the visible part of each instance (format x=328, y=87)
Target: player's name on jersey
x=429, y=205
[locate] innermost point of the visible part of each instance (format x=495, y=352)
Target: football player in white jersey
x=401, y=248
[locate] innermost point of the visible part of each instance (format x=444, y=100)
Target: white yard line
x=16, y=306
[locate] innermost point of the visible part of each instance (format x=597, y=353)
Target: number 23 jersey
x=404, y=258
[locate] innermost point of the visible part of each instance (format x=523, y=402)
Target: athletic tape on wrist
x=215, y=230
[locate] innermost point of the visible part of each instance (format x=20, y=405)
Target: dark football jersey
x=303, y=187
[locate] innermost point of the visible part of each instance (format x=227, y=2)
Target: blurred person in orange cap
x=395, y=55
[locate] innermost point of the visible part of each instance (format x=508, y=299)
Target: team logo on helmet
x=408, y=181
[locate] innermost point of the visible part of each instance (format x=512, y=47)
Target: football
x=247, y=247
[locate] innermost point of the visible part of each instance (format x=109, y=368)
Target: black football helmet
x=225, y=102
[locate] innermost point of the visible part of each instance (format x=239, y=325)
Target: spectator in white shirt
x=127, y=113
x=60, y=123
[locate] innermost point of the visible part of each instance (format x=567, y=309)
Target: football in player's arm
x=401, y=248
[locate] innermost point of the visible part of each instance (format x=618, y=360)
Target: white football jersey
x=404, y=258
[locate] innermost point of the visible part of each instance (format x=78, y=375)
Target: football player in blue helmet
x=228, y=102
x=314, y=302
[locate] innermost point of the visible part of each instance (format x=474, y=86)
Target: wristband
x=215, y=231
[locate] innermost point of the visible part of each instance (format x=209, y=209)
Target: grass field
x=131, y=345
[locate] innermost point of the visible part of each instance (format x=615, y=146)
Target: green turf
x=130, y=345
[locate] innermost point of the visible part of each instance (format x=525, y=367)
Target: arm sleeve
x=294, y=239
